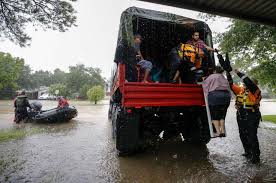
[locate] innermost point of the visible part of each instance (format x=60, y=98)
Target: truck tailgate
x=137, y=94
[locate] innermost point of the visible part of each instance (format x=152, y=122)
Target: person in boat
x=62, y=102
x=21, y=103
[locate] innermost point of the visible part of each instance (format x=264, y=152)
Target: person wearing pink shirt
x=217, y=88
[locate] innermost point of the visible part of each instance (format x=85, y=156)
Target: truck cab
x=139, y=111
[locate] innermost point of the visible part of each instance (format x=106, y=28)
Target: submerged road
x=82, y=150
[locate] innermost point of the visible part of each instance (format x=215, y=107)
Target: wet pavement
x=82, y=150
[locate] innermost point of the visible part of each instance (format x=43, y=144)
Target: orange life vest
x=195, y=54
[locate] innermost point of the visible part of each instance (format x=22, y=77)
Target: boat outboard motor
x=36, y=106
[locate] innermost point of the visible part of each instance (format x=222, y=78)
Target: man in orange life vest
x=248, y=114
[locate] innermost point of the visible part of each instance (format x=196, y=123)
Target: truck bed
x=137, y=94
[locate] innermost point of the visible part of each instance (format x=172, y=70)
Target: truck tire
x=197, y=130
x=126, y=131
x=115, y=100
x=205, y=136
x=110, y=111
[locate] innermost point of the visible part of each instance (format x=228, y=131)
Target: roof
x=261, y=11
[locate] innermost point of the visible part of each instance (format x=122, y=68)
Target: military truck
x=139, y=111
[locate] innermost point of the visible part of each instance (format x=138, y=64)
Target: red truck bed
x=137, y=94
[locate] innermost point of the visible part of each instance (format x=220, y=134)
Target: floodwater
x=82, y=150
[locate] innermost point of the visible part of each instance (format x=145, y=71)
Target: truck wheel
x=114, y=112
x=126, y=131
x=204, y=127
x=197, y=130
x=110, y=111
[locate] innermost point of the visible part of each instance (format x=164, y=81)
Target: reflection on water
x=175, y=162
x=82, y=150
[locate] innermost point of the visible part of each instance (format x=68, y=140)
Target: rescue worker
x=21, y=103
x=62, y=102
x=248, y=114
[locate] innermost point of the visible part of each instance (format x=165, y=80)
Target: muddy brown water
x=82, y=150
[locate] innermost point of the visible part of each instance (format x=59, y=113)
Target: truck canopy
x=160, y=32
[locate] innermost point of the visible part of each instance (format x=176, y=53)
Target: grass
x=10, y=134
x=270, y=118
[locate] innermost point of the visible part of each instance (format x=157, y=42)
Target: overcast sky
x=92, y=42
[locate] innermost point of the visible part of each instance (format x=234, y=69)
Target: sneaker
x=216, y=135
x=173, y=81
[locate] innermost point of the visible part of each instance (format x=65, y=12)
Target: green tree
x=252, y=47
x=77, y=77
x=80, y=75
x=42, y=78
x=59, y=89
x=83, y=91
x=25, y=78
x=59, y=76
x=96, y=93
x=48, y=14
x=95, y=76
x=9, y=70
x=266, y=73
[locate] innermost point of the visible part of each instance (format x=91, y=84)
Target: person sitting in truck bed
x=185, y=65
x=192, y=54
x=199, y=44
x=174, y=61
x=201, y=51
x=144, y=64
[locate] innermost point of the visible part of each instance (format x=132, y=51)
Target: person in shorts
x=144, y=64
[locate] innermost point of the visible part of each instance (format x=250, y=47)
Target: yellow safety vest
x=243, y=101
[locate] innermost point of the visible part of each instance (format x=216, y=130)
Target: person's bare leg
x=216, y=124
x=222, y=126
x=176, y=76
x=146, y=76
x=179, y=80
